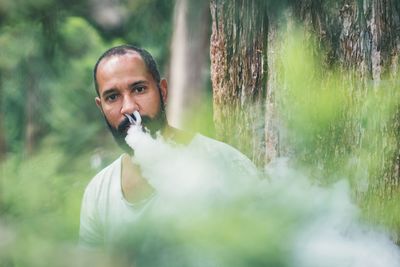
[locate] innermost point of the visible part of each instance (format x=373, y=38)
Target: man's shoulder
x=207, y=141
x=215, y=146
x=104, y=177
x=220, y=149
x=234, y=161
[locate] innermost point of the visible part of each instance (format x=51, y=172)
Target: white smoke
x=214, y=219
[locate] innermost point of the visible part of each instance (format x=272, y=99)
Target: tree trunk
x=35, y=68
x=188, y=67
x=364, y=35
x=31, y=108
x=361, y=35
x=3, y=147
x=238, y=74
x=358, y=35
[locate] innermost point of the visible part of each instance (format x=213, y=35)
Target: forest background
x=312, y=80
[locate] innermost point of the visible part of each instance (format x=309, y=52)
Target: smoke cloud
x=205, y=214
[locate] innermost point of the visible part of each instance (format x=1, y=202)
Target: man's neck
x=135, y=188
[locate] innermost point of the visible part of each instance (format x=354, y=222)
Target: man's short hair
x=124, y=49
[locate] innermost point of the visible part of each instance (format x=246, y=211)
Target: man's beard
x=152, y=125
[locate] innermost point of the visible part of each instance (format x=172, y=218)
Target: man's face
x=125, y=85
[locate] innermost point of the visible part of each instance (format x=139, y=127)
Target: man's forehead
x=128, y=55
x=119, y=67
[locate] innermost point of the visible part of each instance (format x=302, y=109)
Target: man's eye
x=111, y=98
x=139, y=89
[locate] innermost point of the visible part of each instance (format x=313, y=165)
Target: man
x=127, y=80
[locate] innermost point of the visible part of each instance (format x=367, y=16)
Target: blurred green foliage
x=53, y=138
x=49, y=50
x=40, y=206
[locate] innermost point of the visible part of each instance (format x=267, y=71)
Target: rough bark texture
x=358, y=35
x=364, y=36
x=238, y=64
x=189, y=68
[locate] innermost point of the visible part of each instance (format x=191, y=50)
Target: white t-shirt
x=105, y=211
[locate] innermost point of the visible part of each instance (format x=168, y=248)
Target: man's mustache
x=124, y=125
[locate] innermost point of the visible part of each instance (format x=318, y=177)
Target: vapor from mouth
x=135, y=118
x=284, y=219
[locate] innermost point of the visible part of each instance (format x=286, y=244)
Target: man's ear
x=164, y=89
x=98, y=103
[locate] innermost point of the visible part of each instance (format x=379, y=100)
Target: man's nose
x=129, y=105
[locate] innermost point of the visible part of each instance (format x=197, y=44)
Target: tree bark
x=364, y=36
x=361, y=34
x=238, y=73
x=358, y=36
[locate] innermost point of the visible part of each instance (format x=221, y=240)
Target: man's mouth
x=135, y=118
x=129, y=119
x=124, y=126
